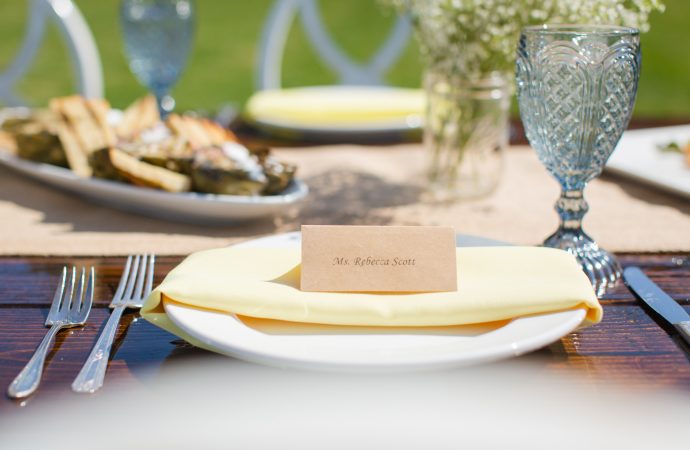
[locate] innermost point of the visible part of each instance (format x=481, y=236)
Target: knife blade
x=658, y=300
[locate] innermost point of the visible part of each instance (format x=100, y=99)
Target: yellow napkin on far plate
x=335, y=105
x=494, y=283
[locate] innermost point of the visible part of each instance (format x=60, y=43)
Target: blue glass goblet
x=576, y=87
x=158, y=36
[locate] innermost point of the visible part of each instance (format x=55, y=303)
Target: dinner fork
x=135, y=285
x=66, y=311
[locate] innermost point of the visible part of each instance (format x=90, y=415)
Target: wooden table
x=628, y=347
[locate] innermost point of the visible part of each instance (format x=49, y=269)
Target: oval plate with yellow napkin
x=327, y=111
x=375, y=348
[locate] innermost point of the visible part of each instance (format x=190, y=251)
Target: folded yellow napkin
x=336, y=105
x=494, y=283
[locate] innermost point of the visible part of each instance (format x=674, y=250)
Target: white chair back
x=86, y=62
x=275, y=35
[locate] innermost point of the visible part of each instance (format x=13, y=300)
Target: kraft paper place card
x=378, y=259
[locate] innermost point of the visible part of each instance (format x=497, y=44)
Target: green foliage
x=222, y=65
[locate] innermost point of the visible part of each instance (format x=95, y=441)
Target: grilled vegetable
x=213, y=172
x=35, y=138
x=278, y=174
x=171, y=153
x=114, y=164
x=175, y=155
x=36, y=143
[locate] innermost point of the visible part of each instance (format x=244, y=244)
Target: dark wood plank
x=668, y=270
x=139, y=352
x=32, y=280
x=634, y=373
x=629, y=347
x=625, y=330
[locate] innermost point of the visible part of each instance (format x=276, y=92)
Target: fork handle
x=92, y=374
x=28, y=379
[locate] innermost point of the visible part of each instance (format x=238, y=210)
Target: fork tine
x=88, y=298
x=149, y=275
x=140, y=278
x=75, y=305
x=57, y=298
x=132, y=277
x=69, y=291
x=123, y=279
x=79, y=313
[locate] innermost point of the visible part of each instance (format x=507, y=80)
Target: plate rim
x=620, y=166
x=571, y=319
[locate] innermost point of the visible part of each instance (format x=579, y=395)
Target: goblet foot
x=601, y=267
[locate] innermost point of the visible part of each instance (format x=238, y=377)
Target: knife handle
x=684, y=330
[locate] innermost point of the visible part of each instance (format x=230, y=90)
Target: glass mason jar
x=465, y=133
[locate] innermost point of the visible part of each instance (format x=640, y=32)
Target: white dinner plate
x=366, y=95
x=191, y=207
x=638, y=157
x=369, y=349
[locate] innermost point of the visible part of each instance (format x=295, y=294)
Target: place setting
x=274, y=259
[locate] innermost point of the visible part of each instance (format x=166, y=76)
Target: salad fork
x=66, y=311
x=135, y=285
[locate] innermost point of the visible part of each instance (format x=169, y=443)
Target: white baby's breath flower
x=475, y=37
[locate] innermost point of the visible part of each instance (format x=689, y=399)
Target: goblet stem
x=165, y=102
x=571, y=208
x=600, y=266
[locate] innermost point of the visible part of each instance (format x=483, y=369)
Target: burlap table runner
x=351, y=185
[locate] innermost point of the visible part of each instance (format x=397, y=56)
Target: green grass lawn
x=221, y=68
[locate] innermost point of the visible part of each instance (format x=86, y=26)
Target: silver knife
x=658, y=300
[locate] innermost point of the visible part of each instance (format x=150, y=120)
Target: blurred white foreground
x=224, y=403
